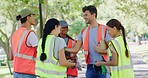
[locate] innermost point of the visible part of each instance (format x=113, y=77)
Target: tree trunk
x=138, y=40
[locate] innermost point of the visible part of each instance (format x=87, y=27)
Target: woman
x=51, y=61
x=120, y=62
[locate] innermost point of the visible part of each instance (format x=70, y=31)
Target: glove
x=78, y=66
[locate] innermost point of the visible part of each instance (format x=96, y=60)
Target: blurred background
x=133, y=15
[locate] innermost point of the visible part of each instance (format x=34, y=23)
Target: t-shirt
x=32, y=39
x=59, y=44
x=94, y=56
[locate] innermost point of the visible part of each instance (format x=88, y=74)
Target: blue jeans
x=70, y=77
x=20, y=75
x=91, y=72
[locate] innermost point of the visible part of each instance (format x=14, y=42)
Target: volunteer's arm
x=76, y=48
x=98, y=48
x=114, y=60
x=63, y=61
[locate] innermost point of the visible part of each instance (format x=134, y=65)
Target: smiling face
x=88, y=17
x=64, y=30
x=112, y=31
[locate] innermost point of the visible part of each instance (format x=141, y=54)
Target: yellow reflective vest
x=124, y=69
x=50, y=68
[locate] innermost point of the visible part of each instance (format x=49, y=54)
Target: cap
x=63, y=23
x=25, y=12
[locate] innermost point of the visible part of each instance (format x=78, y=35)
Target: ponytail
x=18, y=17
x=43, y=55
x=49, y=26
x=124, y=39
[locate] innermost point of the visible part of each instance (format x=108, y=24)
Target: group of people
x=55, y=54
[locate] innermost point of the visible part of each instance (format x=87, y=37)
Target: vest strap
x=21, y=40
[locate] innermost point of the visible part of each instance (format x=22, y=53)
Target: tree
x=137, y=15
x=9, y=10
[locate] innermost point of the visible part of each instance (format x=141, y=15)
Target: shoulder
x=84, y=29
x=69, y=37
x=31, y=32
x=102, y=25
x=58, y=39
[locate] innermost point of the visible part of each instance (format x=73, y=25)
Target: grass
x=7, y=75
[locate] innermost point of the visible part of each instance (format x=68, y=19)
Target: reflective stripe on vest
x=85, y=34
x=50, y=60
x=50, y=71
x=123, y=66
x=17, y=54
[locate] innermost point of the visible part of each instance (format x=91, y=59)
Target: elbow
x=114, y=64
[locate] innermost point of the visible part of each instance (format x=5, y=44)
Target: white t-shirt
x=32, y=39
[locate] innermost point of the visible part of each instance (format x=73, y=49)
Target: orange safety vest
x=71, y=71
x=100, y=36
x=24, y=56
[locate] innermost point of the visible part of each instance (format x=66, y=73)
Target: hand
x=98, y=48
x=70, y=61
x=98, y=63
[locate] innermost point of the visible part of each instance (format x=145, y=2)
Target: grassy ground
x=4, y=72
x=6, y=76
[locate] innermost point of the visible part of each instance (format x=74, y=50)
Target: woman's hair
x=115, y=23
x=23, y=20
x=18, y=17
x=49, y=26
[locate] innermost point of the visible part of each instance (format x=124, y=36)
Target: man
x=90, y=38
x=23, y=46
x=71, y=72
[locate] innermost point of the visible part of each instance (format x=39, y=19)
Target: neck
x=118, y=34
x=94, y=23
x=26, y=24
x=53, y=33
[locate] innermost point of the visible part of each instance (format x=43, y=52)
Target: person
x=90, y=37
x=71, y=72
x=51, y=61
x=23, y=46
x=120, y=62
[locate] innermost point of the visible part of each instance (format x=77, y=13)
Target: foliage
x=76, y=27
x=136, y=14
x=9, y=9
x=133, y=14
